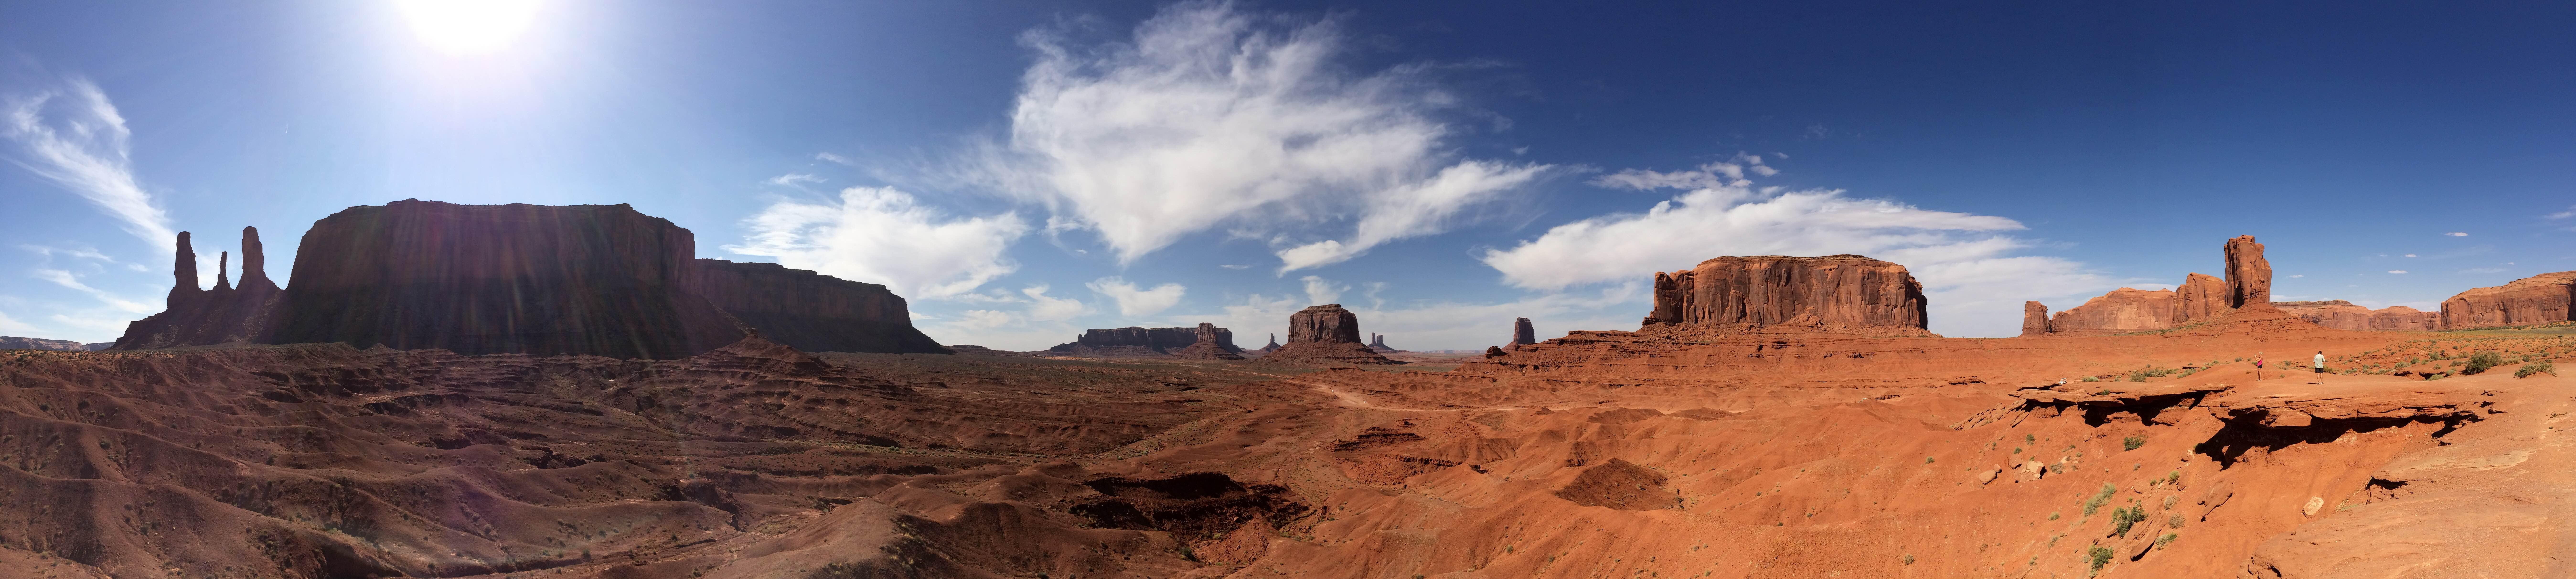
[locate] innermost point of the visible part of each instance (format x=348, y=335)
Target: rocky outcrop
x=198, y=317
x=1835, y=292
x=1134, y=341
x=1274, y=344
x=2538, y=299
x=809, y=311
x=2034, y=319
x=17, y=343
x=2249, y=276
x=1211, y=344
x=2123, y=310
x=1522, y=333
x=2201, y=297
x=1378, y=343
x=1325, y=335
x=2343, y=315
x=600, y=280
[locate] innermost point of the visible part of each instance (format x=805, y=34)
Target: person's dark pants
x=2321, y=369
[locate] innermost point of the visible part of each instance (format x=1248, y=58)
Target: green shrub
x=2091, y=379
x=2535, y=368
x=2166, y=540
x=2480, y=362
x=2098, y=556
x=2095, y=503
x=2133, y=442
x=2122, y=518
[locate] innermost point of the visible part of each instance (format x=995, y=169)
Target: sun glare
x=469, y=26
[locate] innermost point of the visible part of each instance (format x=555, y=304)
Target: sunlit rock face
x=1830, y=292
x=2538, y=299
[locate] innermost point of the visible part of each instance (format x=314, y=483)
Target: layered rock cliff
x=2343, y=315
x=485, y=279
x=2538, y=299
x=1835, y=292
x=225, y=314
x=1325, y=335
x=809, y=311
x=2123, y=310
x=1140, y=341
x=2200, y=298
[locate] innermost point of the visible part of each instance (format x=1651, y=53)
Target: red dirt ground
x=1604, y=454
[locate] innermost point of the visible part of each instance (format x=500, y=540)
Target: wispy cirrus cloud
x=1135, y=301
x=66, y=131
x=66, y=279
x=1211, y=117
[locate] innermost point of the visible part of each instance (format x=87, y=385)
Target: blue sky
x=1023, y=170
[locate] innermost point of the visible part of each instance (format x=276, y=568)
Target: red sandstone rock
x=198, y=317
x=1521, y=332
x=482, y=279
x=1378, y=343
x=17, y=343
x=1209, y=346
x=1325, y=335
x=1135, y=341
x=1274, y=344
x=1830, y=292
x=809, y=311
x=2538, y=299
x=2249, y=276
x=2344, y=315
x=2034, y=319
x=2123, y=310
x=2200, y=298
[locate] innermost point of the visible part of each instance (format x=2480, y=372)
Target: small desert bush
x=2480, y=362
x=2091, y=379
x=2175, y=521
x=2166, y=540
x=2535, y=368
x=2098, y=556
x=2133, y=442
x=2095, y=503
x=2122, y=518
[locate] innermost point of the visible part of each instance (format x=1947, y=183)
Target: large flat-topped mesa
x=1325, y=335
x=1138, y=341
x=1830, y=292
x=2538, y=299
x=529, y=279
x=2122, y=310
x=485, y=279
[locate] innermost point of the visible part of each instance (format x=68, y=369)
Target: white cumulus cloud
x=1971, y=277
x=1044, y=308
x=1134, y=301
x=2457, y=234
x=1209, y=117
x=881, y=235
x=1320, y=291
x=2396, y=271
x=69, y=133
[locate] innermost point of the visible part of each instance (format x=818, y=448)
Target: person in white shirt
x=2320, y=365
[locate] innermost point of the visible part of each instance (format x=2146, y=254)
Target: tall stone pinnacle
x=183, y=269
x=254, y=262
x=223, y=264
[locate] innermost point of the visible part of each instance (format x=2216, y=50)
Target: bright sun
x=469, y=26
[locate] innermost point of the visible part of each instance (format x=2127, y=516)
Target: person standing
x=2258, y=366
x=2320, y=365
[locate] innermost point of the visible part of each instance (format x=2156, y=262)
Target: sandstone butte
x=1822, y=293
x=2200, y=298
x=2540, y=299
x=1324, y=335
x=1134, y=341
x=1742, y=447
x=1377, y=343
x=1211, y=343
x=481, y=279
x=1522, y=333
